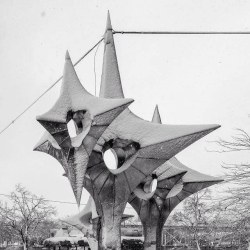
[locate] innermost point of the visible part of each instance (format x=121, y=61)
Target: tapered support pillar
x=153, y=215
x=93, y=237
x=110, y=193
x=152, y=235
x=110, y=229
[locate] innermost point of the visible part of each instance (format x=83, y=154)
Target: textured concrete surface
x=91, y=116
x=141, y=148
x=155, y=210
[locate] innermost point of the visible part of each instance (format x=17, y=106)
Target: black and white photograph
x=125, y=125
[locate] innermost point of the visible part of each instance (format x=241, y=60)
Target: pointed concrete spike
x=78, y=196
x=108, y=23
x=67, y=56
x=75, y=97
x=193, y=176
x=71, y=90
x=156, y=117
x=71, y=82
x=82, y=219
x=48, y=145
x=180, y=138
x=111, y=86
x=76, y=171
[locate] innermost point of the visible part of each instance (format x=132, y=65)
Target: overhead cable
x=47, y=90
x=181, y=32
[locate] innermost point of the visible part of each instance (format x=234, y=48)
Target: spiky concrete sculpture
x=154, y=211
x=141, y=147
x=91, y=116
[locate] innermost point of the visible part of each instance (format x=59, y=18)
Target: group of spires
x=145, y=151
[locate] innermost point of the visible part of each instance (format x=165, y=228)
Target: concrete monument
x=105, y=123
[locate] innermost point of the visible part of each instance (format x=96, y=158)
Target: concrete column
x=152, y=229
x=149, y=232
x=111, y=226
x=94, y=235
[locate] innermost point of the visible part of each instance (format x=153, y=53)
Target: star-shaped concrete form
x=154, y=211
x=140, y=146
x=155, y=143
x=91, y=116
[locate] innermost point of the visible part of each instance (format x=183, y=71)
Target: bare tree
x=237, y=174
x=6, y=234
x=195, y=215
x=239, y=142
x=25, y=213
x=43, y=231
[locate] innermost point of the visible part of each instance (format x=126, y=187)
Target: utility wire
x=48, y=89
x=181, y=32
x=128, y=33
x=55, y=201
x=95, y=65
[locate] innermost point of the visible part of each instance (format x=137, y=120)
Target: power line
x=48, y=89
x=54, y=201
x=95, y=65
x=66, y=202
x=128, y=33
x=182, y=32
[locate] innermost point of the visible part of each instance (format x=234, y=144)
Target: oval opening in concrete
x=146, y=191
x=110, y=159
x=72, y=128
x=153, y=185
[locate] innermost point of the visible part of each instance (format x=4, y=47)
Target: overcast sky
x=195, y=79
